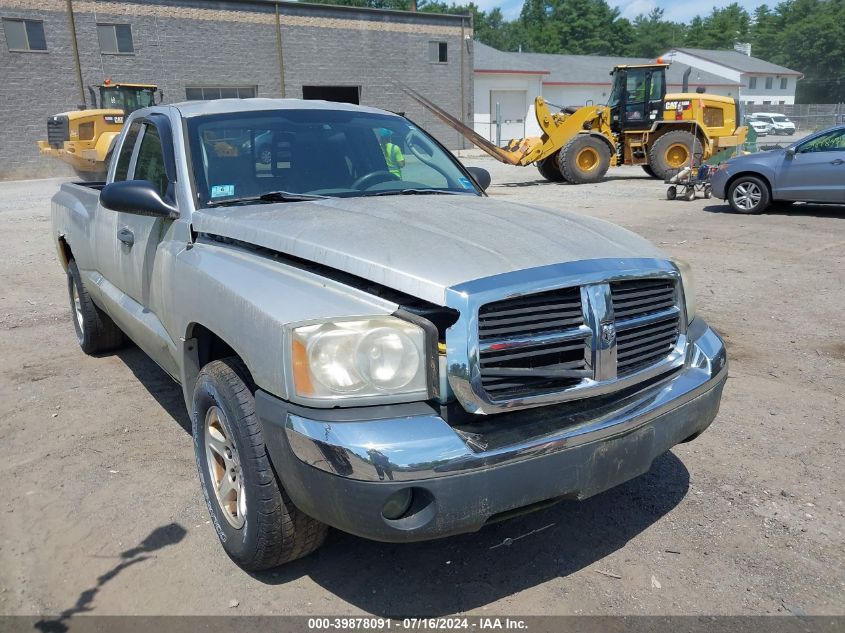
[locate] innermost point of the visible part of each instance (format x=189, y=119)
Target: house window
x=783, y=81
x=769, y=82
x=438, y=52
x=767, y=103
x=24, y=35
x=115, y=39
x=752, y=82
x=197, y=93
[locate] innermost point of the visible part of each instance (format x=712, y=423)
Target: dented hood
x=422, y=245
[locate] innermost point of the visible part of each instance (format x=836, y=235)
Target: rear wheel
x=95, y=330
x=748, y=194
x=673, y=151
x=584, y=159
x=672, y=193
x=257, y=523
x=549, y=170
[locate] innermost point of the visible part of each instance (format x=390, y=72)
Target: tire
x=689, y=194
x=748, y=194
x=257, y=523
x=95, y=330
x=265, y=155
x=708, y=192
x=549, y=170
x=670, y=152
x=584, y=159
x=672, y=193
x=647, y=169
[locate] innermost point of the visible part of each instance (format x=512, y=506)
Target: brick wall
x=189, y=43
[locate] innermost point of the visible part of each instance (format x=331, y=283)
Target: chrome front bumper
x=342, y=469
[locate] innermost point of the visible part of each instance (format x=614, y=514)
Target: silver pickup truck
x=364, y=339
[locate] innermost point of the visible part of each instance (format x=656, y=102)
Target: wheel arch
x=664, y=127
x=201, y=345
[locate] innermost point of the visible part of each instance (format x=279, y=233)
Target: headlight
x=375, y=359
x=688, y=284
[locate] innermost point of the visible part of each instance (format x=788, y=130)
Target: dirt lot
x=102, y=509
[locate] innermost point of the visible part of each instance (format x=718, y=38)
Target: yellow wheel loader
x=640, y=125
x=84, y=138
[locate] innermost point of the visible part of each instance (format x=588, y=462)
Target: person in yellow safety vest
x=392, y=154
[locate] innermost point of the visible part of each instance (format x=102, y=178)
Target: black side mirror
x=481, y=175
x=136, y=196
x=790, y=152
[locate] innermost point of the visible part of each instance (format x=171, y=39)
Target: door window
x=831, y=142
x=150, y=162
x=125, y=157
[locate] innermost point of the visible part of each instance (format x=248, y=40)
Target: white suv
x=778, y=123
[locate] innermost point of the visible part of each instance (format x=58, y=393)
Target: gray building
x=52, y=50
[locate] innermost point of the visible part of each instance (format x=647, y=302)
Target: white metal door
x=513, y=104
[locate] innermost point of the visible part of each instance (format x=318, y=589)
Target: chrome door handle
x=126, y=236
x=838, y=161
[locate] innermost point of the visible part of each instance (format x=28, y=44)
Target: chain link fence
x=808, y=117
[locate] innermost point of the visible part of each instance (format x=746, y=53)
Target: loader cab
x=127, y=97
x=636, y=99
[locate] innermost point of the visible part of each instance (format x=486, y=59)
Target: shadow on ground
x=473, y=570
x=798, y=210
x=155, y=380
x=155, y=540
x=543, y=181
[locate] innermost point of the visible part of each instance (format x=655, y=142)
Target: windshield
x=780, y=119
x=242, y=156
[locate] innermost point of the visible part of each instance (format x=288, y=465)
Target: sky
x=674, y=10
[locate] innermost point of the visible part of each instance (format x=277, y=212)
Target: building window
x=115, y=39
x=752, y=82
x=783, y=81
x=767, y=103
x=781, y=102
x=438, y=52
x=769, y=82
x=24, y=35
x=197, y=93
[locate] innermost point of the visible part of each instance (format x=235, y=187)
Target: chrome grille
x=647, y=322
x=533, y=344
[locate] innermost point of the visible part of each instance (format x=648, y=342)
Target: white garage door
x=513, y=104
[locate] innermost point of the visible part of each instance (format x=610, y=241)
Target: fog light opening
x=398, y=504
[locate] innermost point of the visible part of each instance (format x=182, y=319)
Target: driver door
x=816, y=172
x=139, y=241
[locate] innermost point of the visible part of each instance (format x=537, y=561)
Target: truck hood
x=422, y=245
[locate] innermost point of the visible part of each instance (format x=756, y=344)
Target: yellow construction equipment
x=84, y=138
x=640, y=125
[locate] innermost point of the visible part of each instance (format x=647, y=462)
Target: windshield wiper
x=415, y=192
x=270, y=196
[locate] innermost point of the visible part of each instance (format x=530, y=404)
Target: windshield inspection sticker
x=219, y=191
x=465, y=182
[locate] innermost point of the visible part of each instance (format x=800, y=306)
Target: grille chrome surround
x=521, y=343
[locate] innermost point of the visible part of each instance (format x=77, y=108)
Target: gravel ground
x=103, y=511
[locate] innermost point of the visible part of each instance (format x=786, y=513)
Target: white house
x=513, y=80
x=761, y=82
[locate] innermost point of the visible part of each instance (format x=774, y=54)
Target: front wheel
x=748, y=194
x=584, y=159
x=257, y=523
